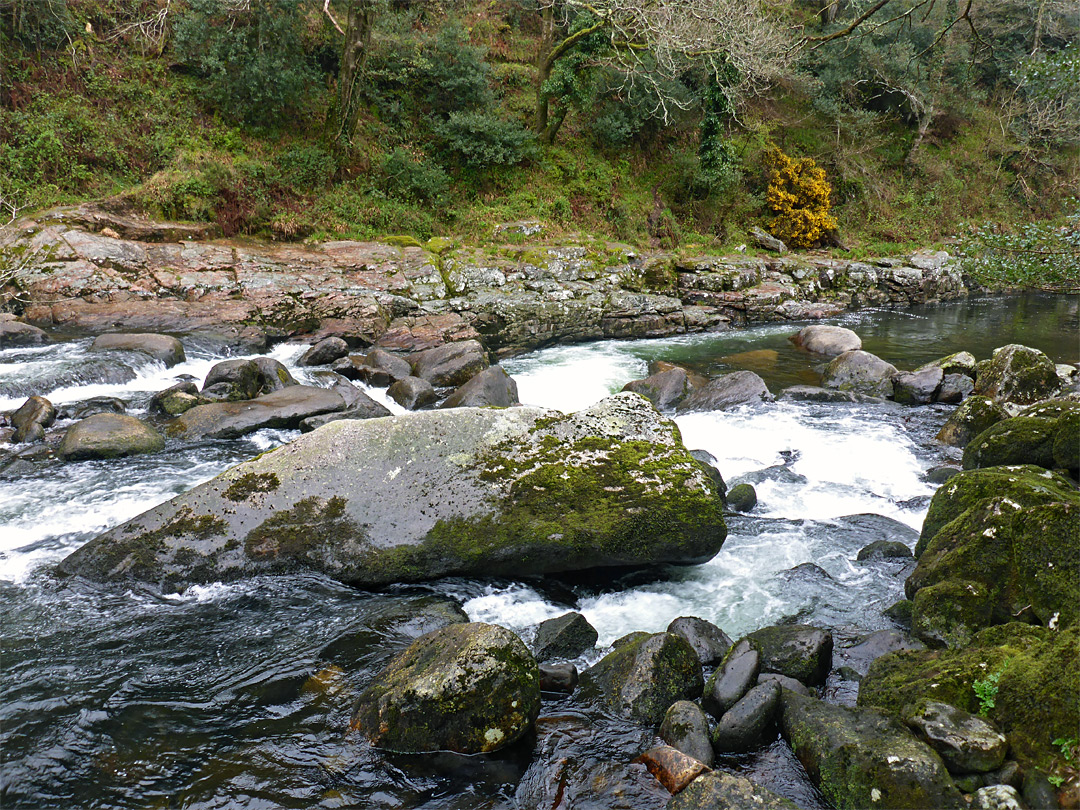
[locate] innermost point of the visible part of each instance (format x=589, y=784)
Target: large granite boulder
x=972, y=417
x=1020, y=677
x=240, y=379
x=861, y=758
x=733, y=679
x=829, y=341
x=566, y=636
x=412, y=393
x=959, y=363
x=1017, y=374
x=109, y=435
x=164, y=348
x=471, y=688
x=372, y=502
x=492, y=387
x=642, y=678
x=744, y=725
x=726, y=392
x=286, y=408
x=861, y=373
x=709, y=642
x=917, y=387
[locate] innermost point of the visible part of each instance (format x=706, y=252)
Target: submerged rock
x=471, y=688
x=109, y=435
x=642, y=678
x=861, y=759
x=372, y=502
x=165, y=348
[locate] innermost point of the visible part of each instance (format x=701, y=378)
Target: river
x=239, y=695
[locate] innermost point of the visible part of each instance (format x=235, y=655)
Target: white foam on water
x=516, y=607
x=569, y=378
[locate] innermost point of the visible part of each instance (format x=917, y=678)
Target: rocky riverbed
x=956, y=691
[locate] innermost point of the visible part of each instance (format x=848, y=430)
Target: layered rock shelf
x=97, y=272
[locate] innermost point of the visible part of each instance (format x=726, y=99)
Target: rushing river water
x=239, y=695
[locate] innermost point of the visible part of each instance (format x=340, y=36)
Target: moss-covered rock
x=720, y=790
x=470, y=688
x=973, y=416
x=959, y=363
x=799, y=651
x=1020, y=440
x=642, y=678
x=1017, y=374
x=996, y=561
x=1025, y=679
x=424, y=495
x=861, y=373
x=1026, y=485
x=1066, y=447
x=862, y=758
x=967, y=744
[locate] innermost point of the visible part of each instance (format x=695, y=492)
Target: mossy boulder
x=109, y=435
x=863, y=758
x=996, y=561
x=959, y=363
x=1020, y=440
x=464, y=491
x=566, y=636
x=686, y=728
x=799, y=651
x=1017, y=374
x=1066, y=447
x=471, y=688
x=1025, y=484
x=642, y=678
x=974, y=415
x=1029, y=677
x=967, y=744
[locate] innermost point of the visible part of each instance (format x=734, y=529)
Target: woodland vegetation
x=677, y=124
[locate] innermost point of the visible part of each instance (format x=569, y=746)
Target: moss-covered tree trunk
x=341, y=118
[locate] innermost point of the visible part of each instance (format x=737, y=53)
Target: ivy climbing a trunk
x=345, y=109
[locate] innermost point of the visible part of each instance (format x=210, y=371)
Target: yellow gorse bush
x=798, y=195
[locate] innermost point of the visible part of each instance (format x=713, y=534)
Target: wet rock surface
x=720, y=790
x=164, y=348
x=492, y=387
x=732, y=680
x=470, y=688
x=286, y=408
x=709, y=642
x=109, y=435
x=566, y=636
x=828, y=341
x=500, y=491
x=745, y=724
x=860, y=372
x=967, y=744
x=727, y=392
x=686, y=728
x=796, y=650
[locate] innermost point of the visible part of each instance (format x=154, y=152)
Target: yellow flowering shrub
x=798, y=195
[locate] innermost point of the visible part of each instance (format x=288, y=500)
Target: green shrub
x=414, y=181
x=307, y=166
x=480, y=139
x=38, y=24
x=252, y=61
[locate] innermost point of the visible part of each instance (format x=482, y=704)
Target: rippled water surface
x=240, y=695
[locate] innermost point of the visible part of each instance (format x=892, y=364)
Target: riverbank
x=84, y=269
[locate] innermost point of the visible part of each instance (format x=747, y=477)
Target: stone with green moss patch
x=1035, y=694
x=471, y=688
x=974, y=415
x=642, y=678
x=1017, y=374
x=465, y=491
x=1020, y=440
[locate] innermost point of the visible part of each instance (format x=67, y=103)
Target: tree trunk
x=341, y=118
x=544, y=63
